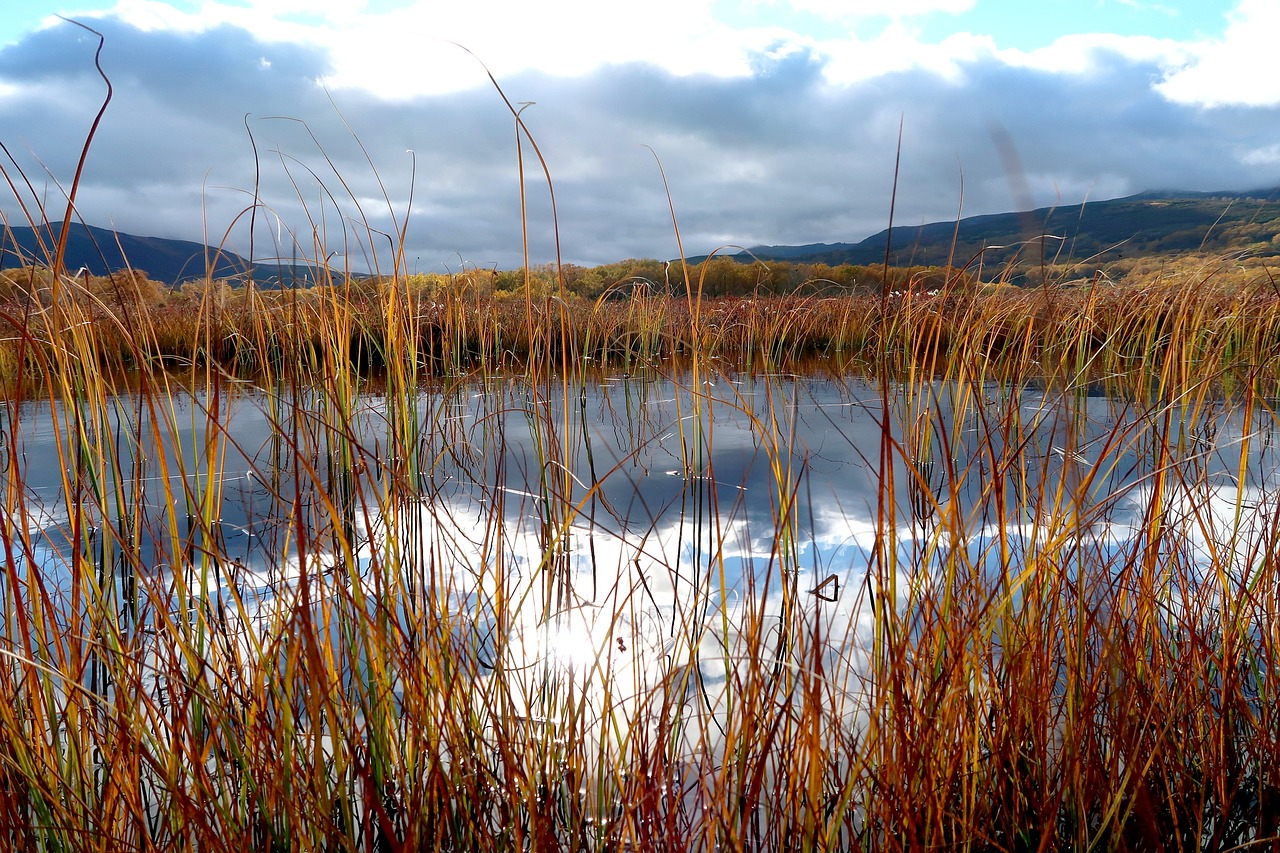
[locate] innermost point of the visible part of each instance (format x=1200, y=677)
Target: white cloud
x=1088, y=53
x=767, y=135
x=152, y=15
x=845, y=9
x=413, y=50
x=1268, y=155
x=897, y=49
x=1233, y=70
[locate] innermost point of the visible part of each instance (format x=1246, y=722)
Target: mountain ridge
x=1153, y=222
x=1150, y=222
x=164, y=259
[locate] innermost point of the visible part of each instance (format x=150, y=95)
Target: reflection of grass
x=1026, y=663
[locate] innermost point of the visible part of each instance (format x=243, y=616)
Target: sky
x=666, y=126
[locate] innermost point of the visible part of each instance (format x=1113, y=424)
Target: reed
x=1114, y=335
x=437, y=627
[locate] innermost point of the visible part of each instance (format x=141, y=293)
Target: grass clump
x=350, y=567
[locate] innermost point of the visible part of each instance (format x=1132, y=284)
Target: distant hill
x=1150, y=223
x=102, y=250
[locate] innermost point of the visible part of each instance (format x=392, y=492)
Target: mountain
x=1146, y=224
x=1149, y=223
x=101, y=250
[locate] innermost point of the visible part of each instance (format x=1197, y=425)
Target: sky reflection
x=644, y=527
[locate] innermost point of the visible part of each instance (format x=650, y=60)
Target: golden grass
x=1012, y=675
x=1114, y=334
x=1043, y=689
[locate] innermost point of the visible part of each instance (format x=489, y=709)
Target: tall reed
x=412, y=612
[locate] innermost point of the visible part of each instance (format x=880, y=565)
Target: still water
x=637, y=520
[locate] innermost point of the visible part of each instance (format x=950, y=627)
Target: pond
x=621, y=550
x=638, y=494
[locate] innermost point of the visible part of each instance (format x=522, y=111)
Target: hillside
x=101, y=250
x=1147, y=224
x=1152, y=224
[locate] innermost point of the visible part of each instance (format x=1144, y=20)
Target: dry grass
x=1118, y=335
x=1061, y=640
x=1021, y=686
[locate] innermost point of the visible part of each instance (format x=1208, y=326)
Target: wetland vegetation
x=466, y=563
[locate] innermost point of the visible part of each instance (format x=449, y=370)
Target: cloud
x=1232, y=70
x=1268, y=155
x=847, y=9
x=794, y=144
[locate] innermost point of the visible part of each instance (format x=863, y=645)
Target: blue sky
x=776, y=121
x=1011, y=23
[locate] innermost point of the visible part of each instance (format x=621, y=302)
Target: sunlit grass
x=1059, y=641
x=1139, y=337
x=1036, y=684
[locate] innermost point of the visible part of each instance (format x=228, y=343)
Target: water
x=642, y=526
